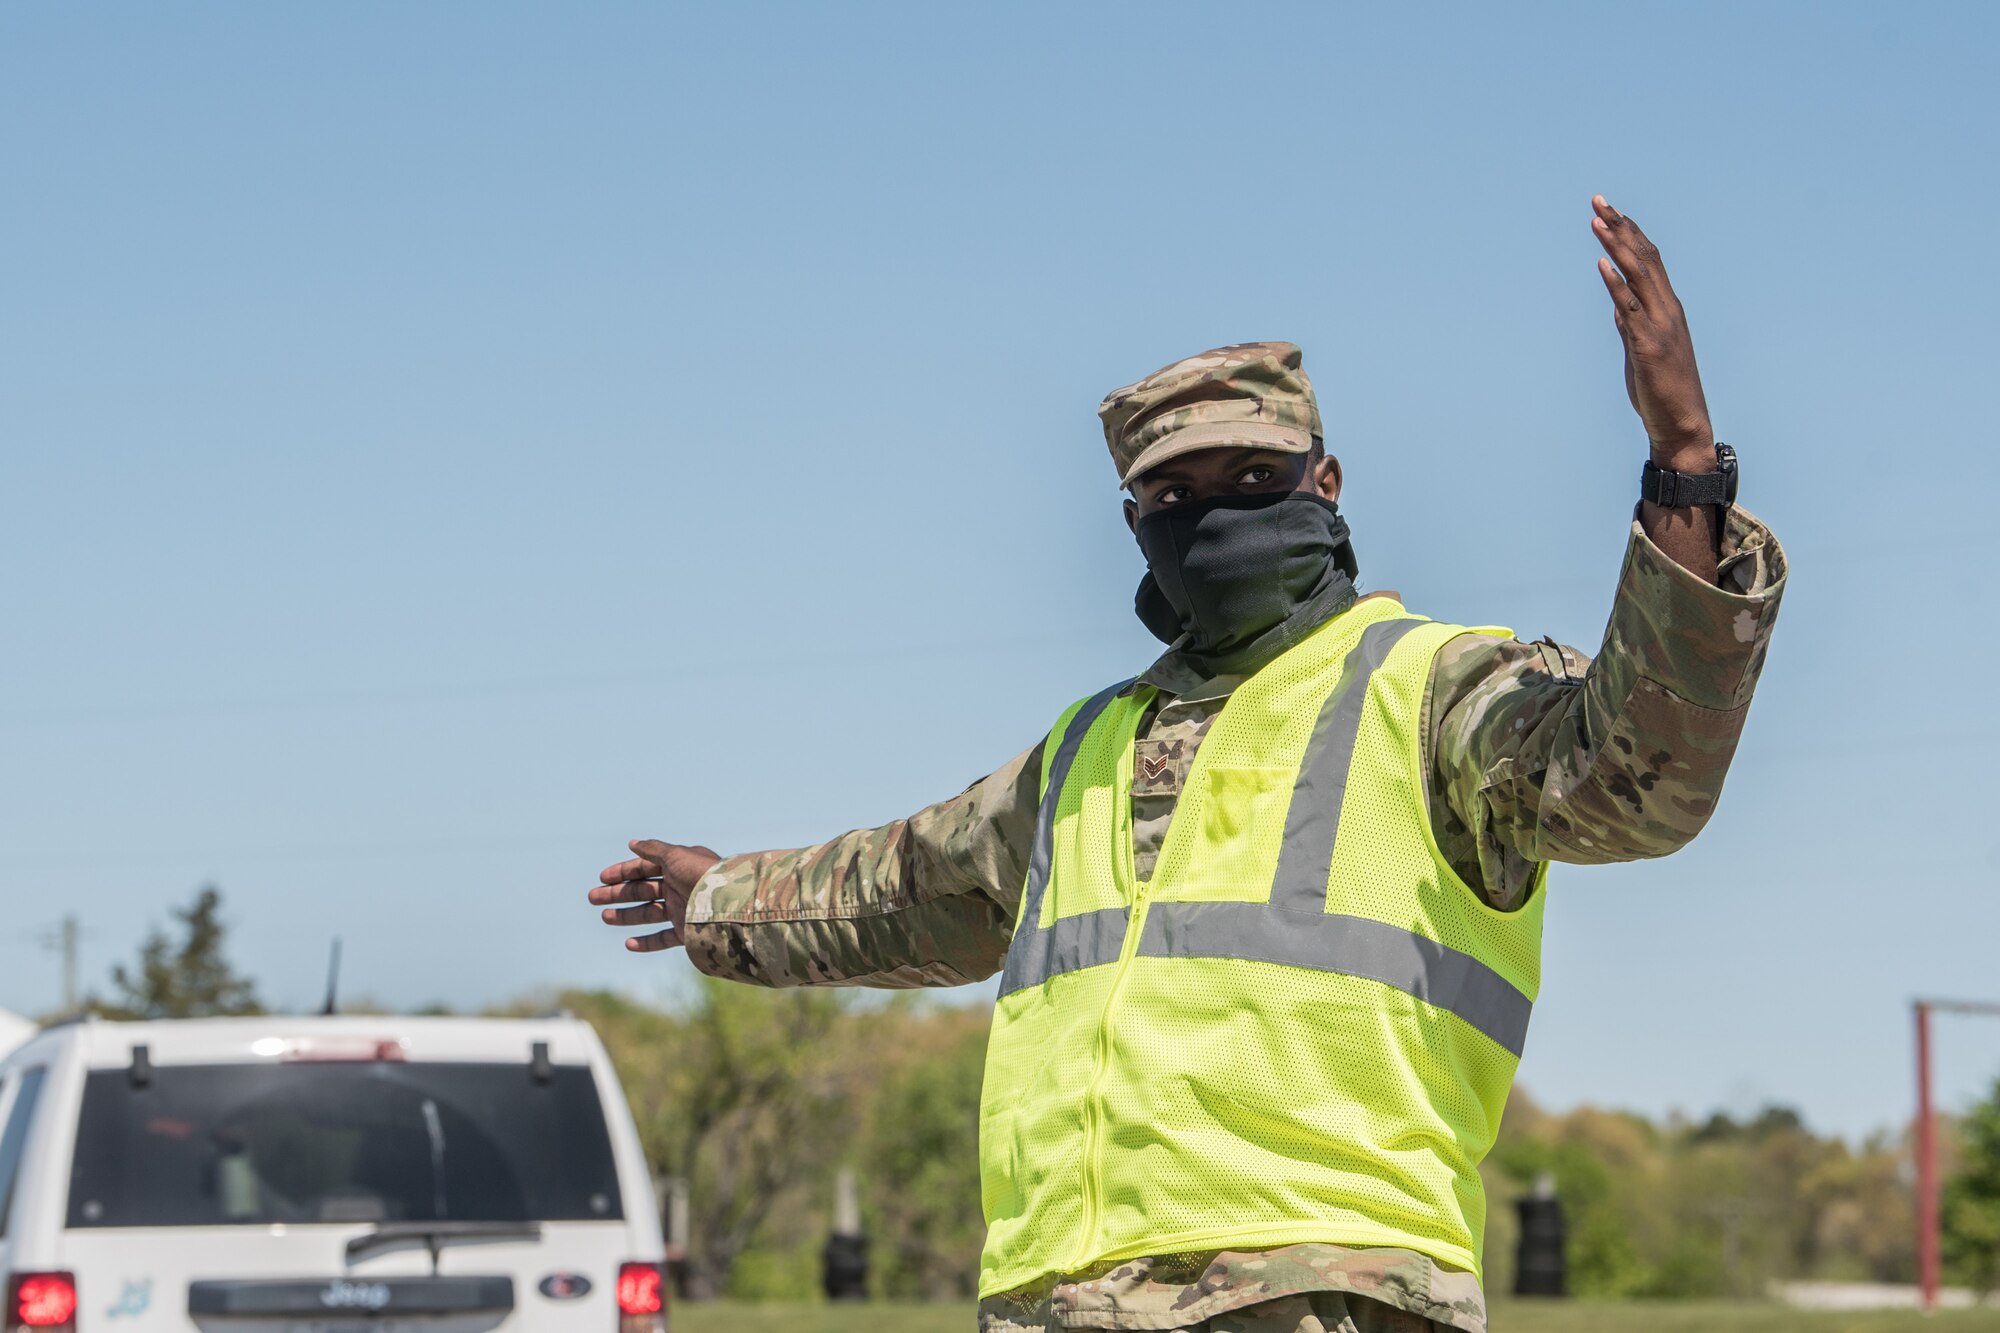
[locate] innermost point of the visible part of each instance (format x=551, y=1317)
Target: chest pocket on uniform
x=1236, y=827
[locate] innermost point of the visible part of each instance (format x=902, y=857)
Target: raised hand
x=658, y=879
x=1660, y=373
x=1662, y=382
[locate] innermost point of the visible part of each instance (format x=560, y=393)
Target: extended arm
x=923, y=901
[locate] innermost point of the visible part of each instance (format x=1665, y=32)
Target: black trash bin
x=1539, y=1268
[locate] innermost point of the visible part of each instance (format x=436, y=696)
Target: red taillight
x=42, y=1301
x=642, y=1289
x=642, y=1298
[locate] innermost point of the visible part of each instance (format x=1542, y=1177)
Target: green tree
x=746, y=1095
x=756, y=1100
x=923, y=1162
x=188, y=977
x=1714, y=1207
x=1864, y=1222
x=1970, y=1209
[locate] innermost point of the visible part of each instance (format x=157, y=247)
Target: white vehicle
x=14, y=1030
x=323, y=1175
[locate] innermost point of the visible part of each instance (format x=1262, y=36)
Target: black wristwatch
x=1685, y=490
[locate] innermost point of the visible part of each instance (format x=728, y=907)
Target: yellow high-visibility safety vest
x=1303, y=1027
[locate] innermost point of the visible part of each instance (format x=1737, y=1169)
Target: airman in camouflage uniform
x=1535, y=753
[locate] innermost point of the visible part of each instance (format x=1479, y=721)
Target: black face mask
x=1244, y=576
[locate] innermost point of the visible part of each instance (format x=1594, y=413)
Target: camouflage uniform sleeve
x=925, y=901
x=1539, y=753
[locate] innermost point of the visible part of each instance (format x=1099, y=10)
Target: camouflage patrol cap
x=1248, y=395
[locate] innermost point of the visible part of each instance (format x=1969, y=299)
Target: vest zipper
x=1093, y=1102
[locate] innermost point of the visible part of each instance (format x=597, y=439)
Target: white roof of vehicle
x=281, y=1038
x=14, y=1030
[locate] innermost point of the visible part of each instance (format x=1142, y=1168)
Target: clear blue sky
x=443, y=441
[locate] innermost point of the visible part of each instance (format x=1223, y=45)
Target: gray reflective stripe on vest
x=1072, y=943
x=1305, y=856
x=1294, y=928
x=1032, y=954
x=1349, y=945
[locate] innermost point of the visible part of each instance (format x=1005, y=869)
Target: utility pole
x=69, y=963
x=1927, y=1182
x=1927, y=1170
x=63, y=940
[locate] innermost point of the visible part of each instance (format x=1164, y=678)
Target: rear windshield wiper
x=434, y=1236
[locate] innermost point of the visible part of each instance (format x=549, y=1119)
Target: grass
x=1538, y=1317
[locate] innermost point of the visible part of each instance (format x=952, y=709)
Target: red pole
x=1927, y=1181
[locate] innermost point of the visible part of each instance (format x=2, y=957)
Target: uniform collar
x=1181, y=676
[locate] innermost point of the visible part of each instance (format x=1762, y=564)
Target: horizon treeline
x=756, y=1099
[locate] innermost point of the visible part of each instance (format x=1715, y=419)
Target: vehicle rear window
x=213, y=1145
x=14, y=1138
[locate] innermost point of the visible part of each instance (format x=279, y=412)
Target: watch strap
x=1685, y=490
